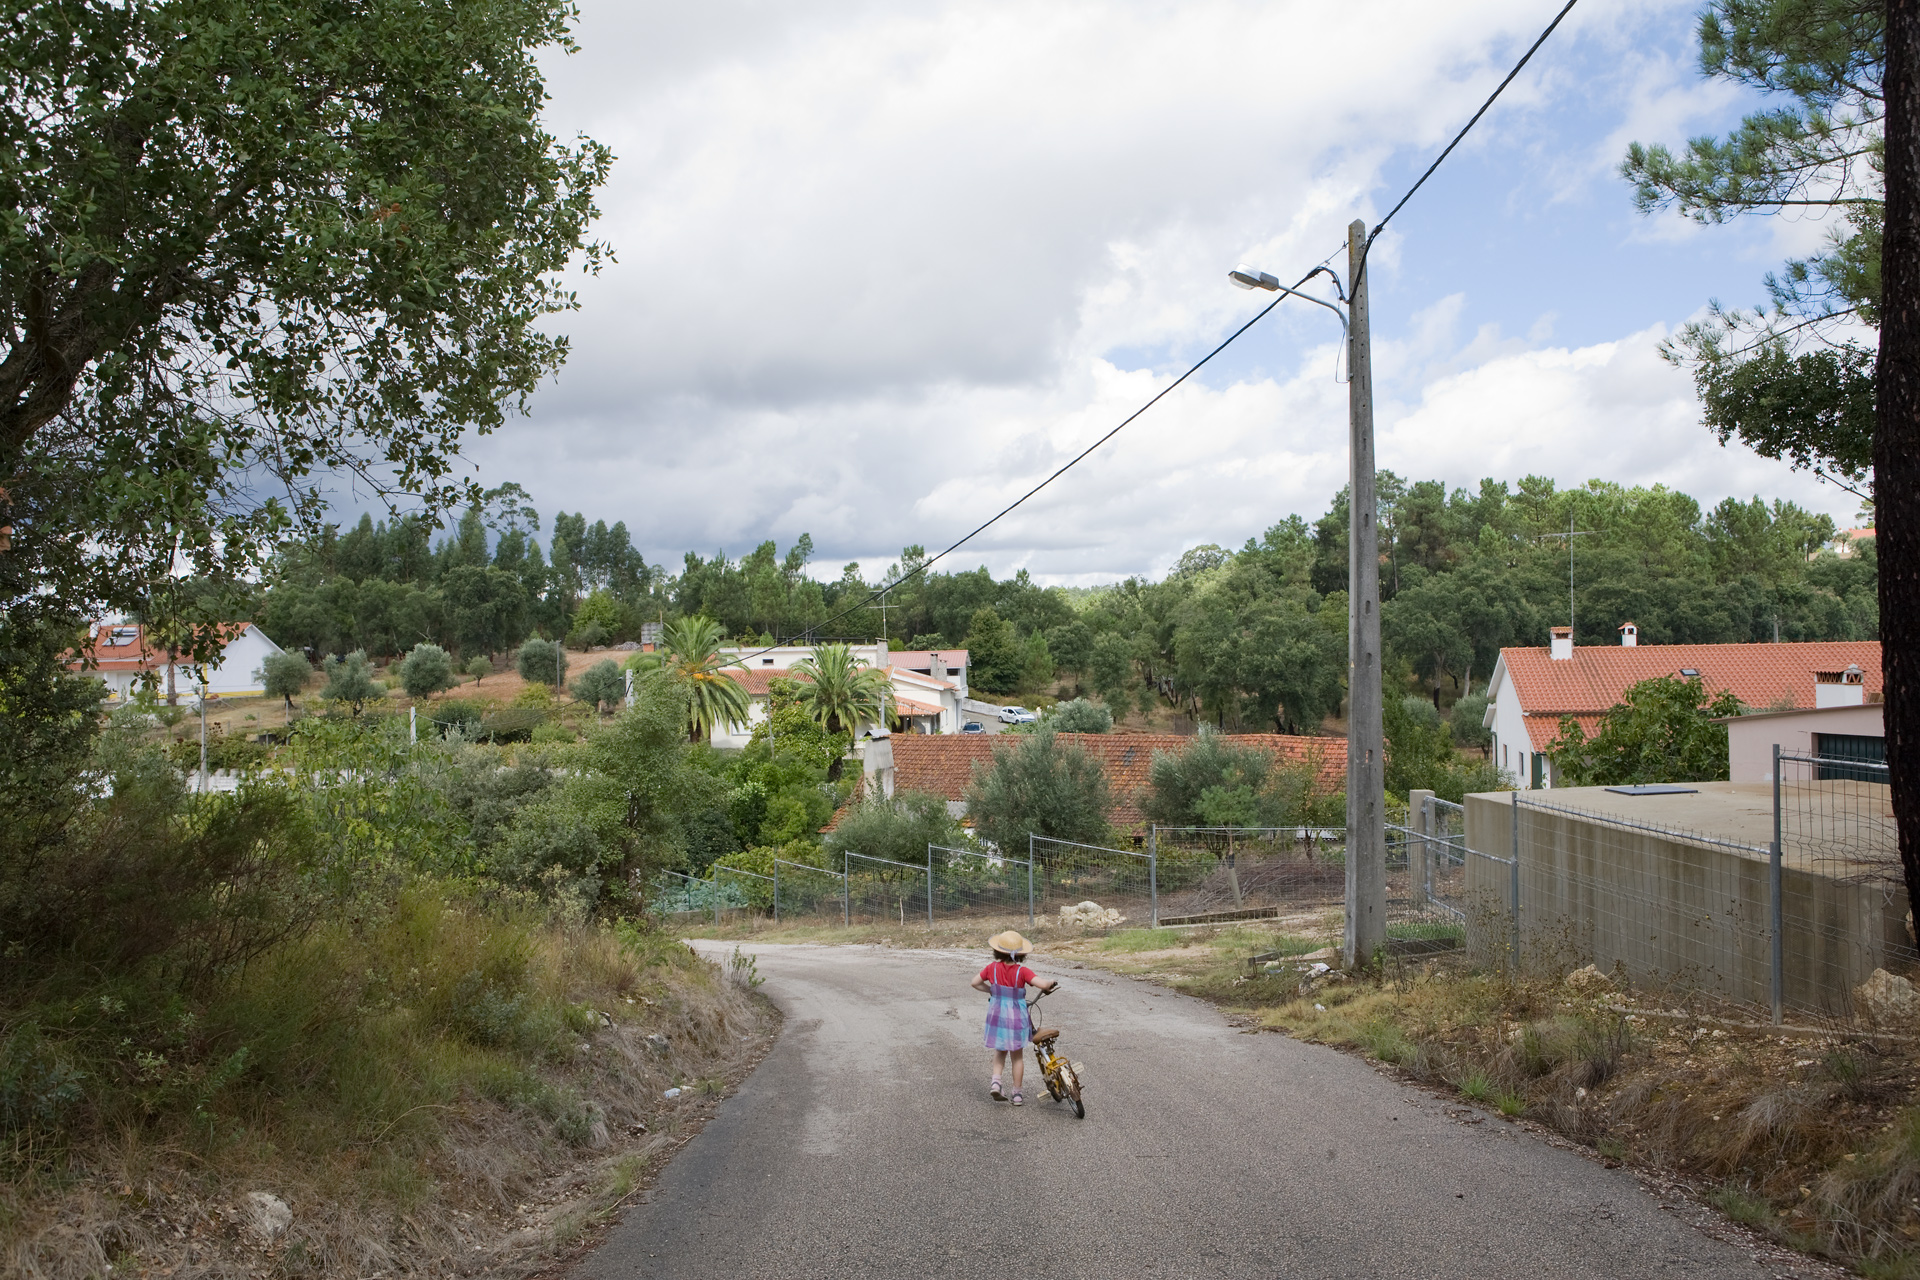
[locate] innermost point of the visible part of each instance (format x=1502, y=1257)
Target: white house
x=119, y=654
x=1533, y=689
x=929, y=687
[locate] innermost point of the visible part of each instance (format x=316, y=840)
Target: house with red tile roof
x=1532, y=688
x=120, y=654
x=944, y=765
x=929, y=687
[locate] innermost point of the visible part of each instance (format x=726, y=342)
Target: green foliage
x=542, y=662
x=791, y=732
x=1661, y=731
x=350, y=680
x=1080, y=716
x=842, y=692
x=603, y=684
x=1042, y=785
x=1420, y=753
x=426, y=670
x=283, y=675
x=284, y=239
x=1465, y=721
x=689, y=658
x=1784, y=382
x=994, y=655
x=1215, y=783
x=479, y=667
x=897, y=829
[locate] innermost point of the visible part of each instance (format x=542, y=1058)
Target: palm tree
x=845, y=690
x=690, y=655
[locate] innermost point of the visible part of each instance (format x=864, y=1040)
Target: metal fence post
x=1514, y=944
x=1153, y=876
x=1420, y=802
x=1775, y=908
x=1029, y=879
x=846, y=894
x=776, y=883
x=929, y=886
x=714, y=895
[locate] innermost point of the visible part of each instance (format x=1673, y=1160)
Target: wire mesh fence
x=981, y=884
x=879, y=889
x=804, y=893
x=1067, y=874
x=1208, y=874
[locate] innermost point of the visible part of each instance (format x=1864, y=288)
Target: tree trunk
x=1896, y=442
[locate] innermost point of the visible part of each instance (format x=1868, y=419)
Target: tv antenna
x=1569, y=535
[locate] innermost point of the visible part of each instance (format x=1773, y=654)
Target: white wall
x=1750, y=739
x=1512, y=748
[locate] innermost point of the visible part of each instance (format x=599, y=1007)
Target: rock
x=658, y=1043
x=1090, y=914
x=1886, y=1000
x=1588, y=981
x=267, y=1215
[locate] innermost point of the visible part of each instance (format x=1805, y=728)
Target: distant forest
x=1250, y=639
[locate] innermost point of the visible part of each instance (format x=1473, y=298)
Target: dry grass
x=453, y=1088
x=1814, y=1140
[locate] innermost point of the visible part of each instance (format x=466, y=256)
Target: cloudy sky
x=882, y=266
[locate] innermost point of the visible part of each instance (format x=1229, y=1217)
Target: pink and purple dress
x=1007, y=1024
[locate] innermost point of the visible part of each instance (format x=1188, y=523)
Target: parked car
x=1017, y=715
x=973, y=726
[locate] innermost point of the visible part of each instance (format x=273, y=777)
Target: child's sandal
x=1018, y=1100
x=999, y=1094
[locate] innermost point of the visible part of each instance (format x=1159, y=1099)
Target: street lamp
x=1366, y=755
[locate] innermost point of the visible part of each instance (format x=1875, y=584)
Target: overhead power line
x=1230, y=339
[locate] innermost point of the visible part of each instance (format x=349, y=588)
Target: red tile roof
x=137, y=654
x=756, y=678
x=1593, y=680
x=943, y=764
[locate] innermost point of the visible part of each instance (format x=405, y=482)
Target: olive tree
x=426, y=670
x=285, y=674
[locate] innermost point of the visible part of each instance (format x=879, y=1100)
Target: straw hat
x=1010, y=942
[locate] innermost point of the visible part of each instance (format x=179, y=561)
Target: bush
x=350, y=680
x=1465, y=719
x=542, y=662
x=456, y=716
x=899, y=829
x=512, y=724
x=285, y=675
x=1081, y=716
x=426, y=671
x=1044, y=786
x=479, y=667
x=602, y=685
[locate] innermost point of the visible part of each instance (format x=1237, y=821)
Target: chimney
x=936, y=666
x=1629, y=636
x=1562, y=647
x=1840, y=688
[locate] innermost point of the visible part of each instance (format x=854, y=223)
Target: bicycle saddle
x=1043, y=1034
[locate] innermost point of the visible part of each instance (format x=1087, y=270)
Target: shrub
x=542, y=662
x=512, y=724
x=350, y=680
x=283, y=675
x=1081, y=716
x=603, y=684
x=426, y=671
x=479, y=667
x=456, y=716
x=1044, y=786
x=1465, y=717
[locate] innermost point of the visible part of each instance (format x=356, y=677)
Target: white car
x=1017, y=715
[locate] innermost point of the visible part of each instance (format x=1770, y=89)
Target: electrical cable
x=1195, y=368
x=1465, y=129
x=994, y=519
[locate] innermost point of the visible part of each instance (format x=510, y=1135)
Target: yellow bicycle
x=1062, y=1082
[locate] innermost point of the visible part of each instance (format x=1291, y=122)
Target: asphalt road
x=866, y=1145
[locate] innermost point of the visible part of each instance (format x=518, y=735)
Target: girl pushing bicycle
x=1006, y=981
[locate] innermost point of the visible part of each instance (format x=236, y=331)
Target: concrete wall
x=1672, y=911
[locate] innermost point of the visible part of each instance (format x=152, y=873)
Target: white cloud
x=882, y=267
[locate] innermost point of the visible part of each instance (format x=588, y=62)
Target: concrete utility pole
x=1366, y=764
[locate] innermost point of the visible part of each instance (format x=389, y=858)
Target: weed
x=1385, y=1041
x=1611, y=1148
x=1145, y=939
x=1476, y=1085
x=1740, y=1204
x=743, y=970
x=1510, y=1104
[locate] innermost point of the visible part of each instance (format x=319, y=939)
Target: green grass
x=1426, y=930
x=1740, y=1204
x=1145, y=939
